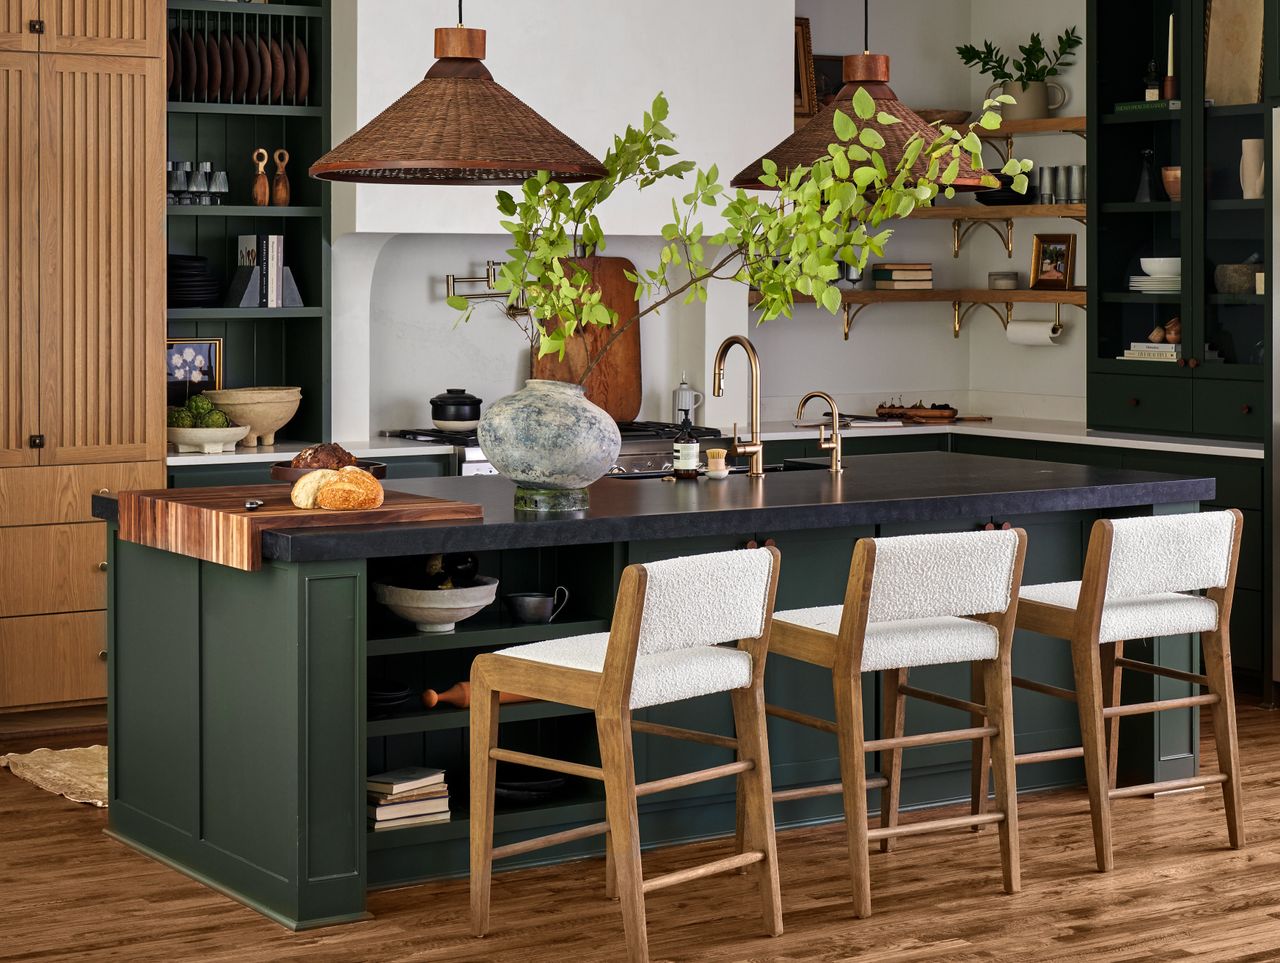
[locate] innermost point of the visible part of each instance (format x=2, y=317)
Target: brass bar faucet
x=754, y=447
x=833, y=444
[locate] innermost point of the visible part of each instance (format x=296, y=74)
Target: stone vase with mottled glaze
x=551, y=441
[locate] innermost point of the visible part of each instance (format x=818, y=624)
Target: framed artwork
x=1053, y=262
x=191, y=366
x=1233, y=51
x=806, y=83
x=828, y=70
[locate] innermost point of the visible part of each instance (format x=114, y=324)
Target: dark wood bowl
x=284, y=470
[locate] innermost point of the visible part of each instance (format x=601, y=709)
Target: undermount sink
x=659, y=475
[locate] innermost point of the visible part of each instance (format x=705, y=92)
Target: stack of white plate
x=1150, y=285
x=1161, y=275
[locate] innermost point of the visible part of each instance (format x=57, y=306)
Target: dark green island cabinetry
x=241, y=737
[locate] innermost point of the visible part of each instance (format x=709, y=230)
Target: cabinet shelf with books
x=260, y=345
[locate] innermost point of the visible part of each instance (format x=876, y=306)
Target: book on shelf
x=1157, y=348
x=897, y=274
x=430, y=792
x=410, y=821
x=398, y=810
x=902, y=266
x=1147, y=356
x=904, y=285
x=1146, y=106
x=393, y=782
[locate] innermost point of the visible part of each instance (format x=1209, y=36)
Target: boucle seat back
x=702, y=600
x=933, y=576
x=1170, y=553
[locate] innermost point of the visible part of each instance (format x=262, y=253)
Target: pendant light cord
x=866, y=25
x=459, y=13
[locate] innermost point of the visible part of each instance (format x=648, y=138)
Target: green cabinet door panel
x=1230, y=409
x=995, y=447
x=1239, y=480
x=259, y=473
x=1139, y=403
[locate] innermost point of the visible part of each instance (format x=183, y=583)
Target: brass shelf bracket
x=490, y=280
x=962, y=227
x=851, y=312
x=959, y=315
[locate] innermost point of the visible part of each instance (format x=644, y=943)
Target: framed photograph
x=828, y=69
x=1233, y=51
x=806, y=83
x=1053, y=262
x=191, y=366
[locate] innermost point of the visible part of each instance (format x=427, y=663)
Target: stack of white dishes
x=1162, y=275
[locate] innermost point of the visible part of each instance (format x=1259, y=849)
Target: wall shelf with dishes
x=248, y=112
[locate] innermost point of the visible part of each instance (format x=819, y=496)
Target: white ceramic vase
x=1253, y=168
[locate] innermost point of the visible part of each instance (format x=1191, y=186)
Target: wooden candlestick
x=459, y=695
x=261, y=192
x=280, y=184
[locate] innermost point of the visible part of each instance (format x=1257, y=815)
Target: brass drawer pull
x=102, y=654
x=104, y=491
x=102, y=566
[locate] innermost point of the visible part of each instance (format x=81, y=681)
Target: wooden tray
x=213, y=524
x=917, y=413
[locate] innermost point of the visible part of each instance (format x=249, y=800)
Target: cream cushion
x=907, y=643
x=1140, y=617
x=1151, y=555
x=660, y=677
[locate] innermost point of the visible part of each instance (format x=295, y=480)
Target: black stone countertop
x=917, y=486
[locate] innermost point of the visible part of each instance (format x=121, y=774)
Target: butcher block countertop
x=874, y=489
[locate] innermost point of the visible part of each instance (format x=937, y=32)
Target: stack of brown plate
x=237, y=68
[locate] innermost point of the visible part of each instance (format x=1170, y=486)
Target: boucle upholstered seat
x=911, y=601
x=1141, y=579
x=681, y=628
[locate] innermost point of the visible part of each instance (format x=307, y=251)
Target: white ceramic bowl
x=264, y=410
x=438, y=610
x=1159, y=267
x=207, y=441
x=717, y=473
x=455, y=425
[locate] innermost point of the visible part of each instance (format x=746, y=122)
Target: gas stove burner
x=632, y=430
x=460, y=439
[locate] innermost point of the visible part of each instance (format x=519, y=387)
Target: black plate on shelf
x=284, y=470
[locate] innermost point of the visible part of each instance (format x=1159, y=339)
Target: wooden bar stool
x=667, y=643
x=1137, y=580
x=914, y=600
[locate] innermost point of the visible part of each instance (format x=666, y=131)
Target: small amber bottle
x=686, y=451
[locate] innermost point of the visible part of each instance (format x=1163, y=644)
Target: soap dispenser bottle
x=686, y=452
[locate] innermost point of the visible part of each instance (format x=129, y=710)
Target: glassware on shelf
x=218, y=186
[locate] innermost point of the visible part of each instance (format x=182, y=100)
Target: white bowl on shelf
x=207, y=441
x=438, y=610
x=1161, y=267
x=445, y=425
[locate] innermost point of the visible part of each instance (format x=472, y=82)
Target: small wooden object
x=212, y=523
x=919, y=412
x=280, y=183
x=261, y=186
x=459, y=695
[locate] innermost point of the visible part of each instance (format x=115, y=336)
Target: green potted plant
x=1025, y=79
x=548, y=437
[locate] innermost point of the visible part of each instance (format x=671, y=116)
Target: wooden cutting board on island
x=213, y=524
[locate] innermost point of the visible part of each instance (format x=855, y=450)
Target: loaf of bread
x=307, y=487
x=354, y=488
x=327, y=455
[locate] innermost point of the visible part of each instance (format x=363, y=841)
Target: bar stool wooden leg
x=1217, y=665
x=610, y=870
x=853, y=775
x=624, y=829
x=484, y=736
x=895, y=723
x=1088, y=676
x=1111, y=680
x=998, y=687
x=755, y=802
x=980, y=763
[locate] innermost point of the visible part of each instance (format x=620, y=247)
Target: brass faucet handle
x=825, y=443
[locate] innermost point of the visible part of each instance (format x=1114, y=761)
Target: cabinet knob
x=35, y=26
x=102, y=566
x=104, y=491
x=1193, y=363
x=102, y=654
x=768, y=543
x=1134, y=402
x=1182, y=362
x=1246, y=409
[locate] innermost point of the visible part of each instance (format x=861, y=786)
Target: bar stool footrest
x=1169, y=785
x=1160, y=705
x=934, y=826
x=726, y=865
x=826, y=789
x=1048, y=755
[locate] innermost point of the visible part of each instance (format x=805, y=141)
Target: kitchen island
x=240, y=732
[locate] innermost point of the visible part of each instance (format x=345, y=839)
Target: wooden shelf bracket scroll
x=960, y=311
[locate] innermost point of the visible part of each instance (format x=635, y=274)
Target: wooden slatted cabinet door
x=122, y=28
x=102, y=262
x=19, y=258
x=15, y=20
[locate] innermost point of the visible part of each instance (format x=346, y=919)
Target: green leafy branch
x=1036, y=63
x=785, y=244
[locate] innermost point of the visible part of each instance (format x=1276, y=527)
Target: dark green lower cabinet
x=1230, y=409
x=258, y=473
x=1140, y=403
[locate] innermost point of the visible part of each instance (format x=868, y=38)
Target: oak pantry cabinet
x=82, y=270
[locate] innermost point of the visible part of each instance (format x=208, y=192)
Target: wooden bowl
x=952, y=117
x=264, y=410
x=285, y=472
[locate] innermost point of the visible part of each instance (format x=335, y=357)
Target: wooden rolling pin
x=460, y=695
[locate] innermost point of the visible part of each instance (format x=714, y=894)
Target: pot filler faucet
x=832, y=445
x=753, y=448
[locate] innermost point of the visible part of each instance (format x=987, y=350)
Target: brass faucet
x=833, y=444
x=753, y=448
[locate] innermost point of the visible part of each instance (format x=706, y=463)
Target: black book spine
x=263, y=262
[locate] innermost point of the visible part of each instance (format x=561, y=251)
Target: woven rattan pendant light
x=458, y=126
x=810, y=142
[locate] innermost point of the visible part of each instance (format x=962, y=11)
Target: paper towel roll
x=1033, y=332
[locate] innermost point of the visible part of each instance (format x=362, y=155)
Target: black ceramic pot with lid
x=455, y=410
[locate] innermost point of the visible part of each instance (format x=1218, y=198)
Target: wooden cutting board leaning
x=213, y=524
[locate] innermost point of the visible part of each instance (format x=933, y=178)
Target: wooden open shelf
x=1041, y=125
x=994, y=212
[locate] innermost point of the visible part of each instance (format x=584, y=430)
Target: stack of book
x=894, y=276
x=412, y=796
x=1145, y=351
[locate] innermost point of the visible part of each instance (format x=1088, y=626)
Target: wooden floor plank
x=71, y=893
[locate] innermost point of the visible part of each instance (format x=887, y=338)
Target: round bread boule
x=305, y=488
x=354, y=488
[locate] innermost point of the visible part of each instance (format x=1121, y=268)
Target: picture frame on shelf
x=828, y=72
x=1053, y=262
x=192, y=365
x=806, y=82
x=1233, y=52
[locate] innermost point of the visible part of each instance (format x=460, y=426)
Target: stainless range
x=646, y=447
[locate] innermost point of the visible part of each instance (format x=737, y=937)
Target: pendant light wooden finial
x=460, y=41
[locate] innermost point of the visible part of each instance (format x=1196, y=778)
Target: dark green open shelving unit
x=261, y=346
